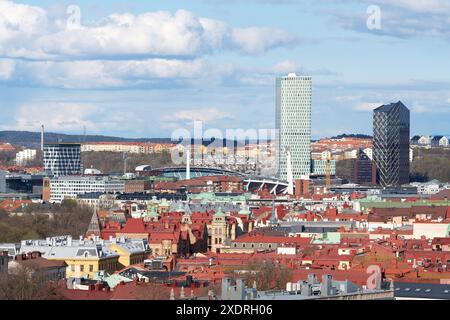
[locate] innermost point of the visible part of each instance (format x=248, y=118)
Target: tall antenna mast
x=42, y=138
x=188, y=163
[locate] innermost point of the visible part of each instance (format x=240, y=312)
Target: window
x=91, y=268
x=81, y=268
x=72, y=267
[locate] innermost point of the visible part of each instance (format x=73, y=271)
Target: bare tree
x=27, y=283
x=267, y=275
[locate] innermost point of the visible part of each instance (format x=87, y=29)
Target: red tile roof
x=13, y=205
x=134, y=226
x=259, y=238
x=42, y=263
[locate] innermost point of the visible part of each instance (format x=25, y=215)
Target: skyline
x=211, y=62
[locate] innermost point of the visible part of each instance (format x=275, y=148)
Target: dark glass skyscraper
x=364, y=171
x=391, y=144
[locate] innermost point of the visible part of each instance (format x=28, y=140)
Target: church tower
x=94, y=227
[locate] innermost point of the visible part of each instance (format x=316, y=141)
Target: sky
x=147, y=68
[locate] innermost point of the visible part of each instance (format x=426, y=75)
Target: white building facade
x=319, y=167
x=69, y=187
x=25, y=156
x=369, y=153
x=425, y=140
x=444, y=142
x=293, y=124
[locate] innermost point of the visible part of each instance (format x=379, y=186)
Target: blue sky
x=146, y=68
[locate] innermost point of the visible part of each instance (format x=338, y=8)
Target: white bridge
x=274, y=185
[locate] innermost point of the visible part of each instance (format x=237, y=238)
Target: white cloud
x=56, y=116
x=20, y=25
x=7, y=67
x=286, y=66
x=111, y=74
x=367, y=106
x=147, y=73
x=205, y=115
x=149, y=49
x=26, y=31
x=433, y=6
x=347, y=98
x=419, y=108
x=403, y=18
x=258, y=40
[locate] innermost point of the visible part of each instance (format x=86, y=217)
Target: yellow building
x=86, y=257
x=87, y=266
x=129, y=254
x=129, y=147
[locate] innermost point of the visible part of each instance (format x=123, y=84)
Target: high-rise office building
x=293, y=124
x=62, y=159
x=391, y=144
x=364, y=171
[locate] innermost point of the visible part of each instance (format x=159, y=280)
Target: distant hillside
x=33, y=139
x=358, y=136
x=429, y=164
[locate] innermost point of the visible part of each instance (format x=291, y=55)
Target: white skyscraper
x=293, y=124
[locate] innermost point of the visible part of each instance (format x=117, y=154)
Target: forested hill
x=358, y=136
x=33, y=139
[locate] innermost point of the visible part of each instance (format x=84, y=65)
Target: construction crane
x=328, y=173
